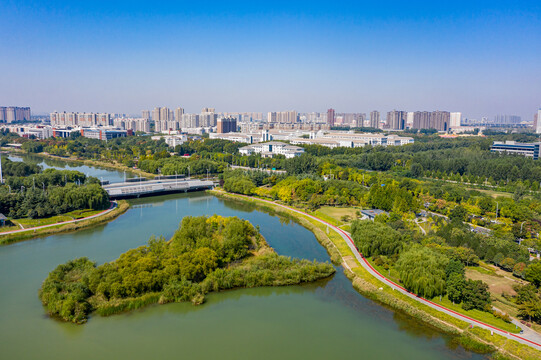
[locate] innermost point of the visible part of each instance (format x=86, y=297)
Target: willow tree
x=373, y=238
x=422, y=271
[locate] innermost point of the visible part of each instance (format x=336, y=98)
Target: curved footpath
x=113, y=206
x=529, y=337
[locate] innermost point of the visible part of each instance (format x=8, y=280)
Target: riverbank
x=227, y=253
x=112, y=166
x=476, y=339
x=47, y=230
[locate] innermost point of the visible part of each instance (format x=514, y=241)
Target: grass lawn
x=28, y=223
x=72, y=215
x=392, y=275
x=334, y=214
x=9, y=228
x=497, y=282
x=478, y=315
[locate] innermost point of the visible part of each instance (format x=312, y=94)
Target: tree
x=458, y=213
x=507, y=264
x=422, y=271
x=455, y=284
x=454, y=267
x=530, y=310
x=533, y=273
x=475, y=295
x=373, y=238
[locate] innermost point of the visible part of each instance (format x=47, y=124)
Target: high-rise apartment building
x=189, y=121
x=330, y=117
x=271, y=117
x=11, y=114
x=374, y=119
x=156, y=114
x=162, y=117
x=397, y=119
x=227, y=125
x=146, y=114
x=178, y=114
x=282, y=117
x=507, y=119
x=86, y=119
x=421, y=120
x=441, y=120
x=208, y=117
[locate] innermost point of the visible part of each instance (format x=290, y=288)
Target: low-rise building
x=512, y=147
x=104, y=133
x=370, y=214
x=39, y=131
x=269, y=149
x=172, y=140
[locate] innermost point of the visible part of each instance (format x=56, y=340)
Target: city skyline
x=479, y=59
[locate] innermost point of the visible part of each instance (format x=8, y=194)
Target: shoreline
x=98, y=163
x=476, y=339
x=73, y=225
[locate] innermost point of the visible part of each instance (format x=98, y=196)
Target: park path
x=113, y=205
x=529, y=337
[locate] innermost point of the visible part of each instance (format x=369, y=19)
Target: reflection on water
x=321, y=320
x=47, y=163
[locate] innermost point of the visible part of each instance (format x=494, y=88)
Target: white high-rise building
x=456, y=120
x=538, y=127
x=189, y=121
x=409, y=119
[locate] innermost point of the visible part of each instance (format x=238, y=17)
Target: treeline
x=28, y=192
x=433, y=265
x=38, y=203
x=179, y=165
x=16, y=168
x=426, y=271
x=205, y=254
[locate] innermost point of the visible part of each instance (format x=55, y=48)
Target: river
x=324, y=320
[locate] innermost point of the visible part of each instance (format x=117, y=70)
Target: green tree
x=475, y=295
x=533, y=273
x=455, y=284
x=373, y=238
x=422, y=271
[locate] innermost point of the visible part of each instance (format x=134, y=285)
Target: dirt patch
x=351, y=262
x=496, y=284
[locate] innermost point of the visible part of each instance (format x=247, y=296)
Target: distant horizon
x=480, y=58
x=382, y=113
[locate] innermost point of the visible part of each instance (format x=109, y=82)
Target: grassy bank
x=476, y=339
x=11, y=238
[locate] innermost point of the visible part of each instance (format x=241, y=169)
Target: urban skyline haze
x=479, y=58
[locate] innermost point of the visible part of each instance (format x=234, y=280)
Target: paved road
x=529, y=337
x=113, y=205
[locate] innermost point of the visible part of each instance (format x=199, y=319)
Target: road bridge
x=132, y=189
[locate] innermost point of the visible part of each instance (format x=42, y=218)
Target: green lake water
x=324, y=320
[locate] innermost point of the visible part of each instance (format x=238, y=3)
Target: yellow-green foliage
x=205, y=254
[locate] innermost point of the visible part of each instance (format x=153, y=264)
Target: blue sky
x=480, y=57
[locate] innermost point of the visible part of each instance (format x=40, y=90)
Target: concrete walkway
x=113, y=205
x=529, y=337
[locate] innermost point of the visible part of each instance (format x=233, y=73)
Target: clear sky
x=479, y=57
